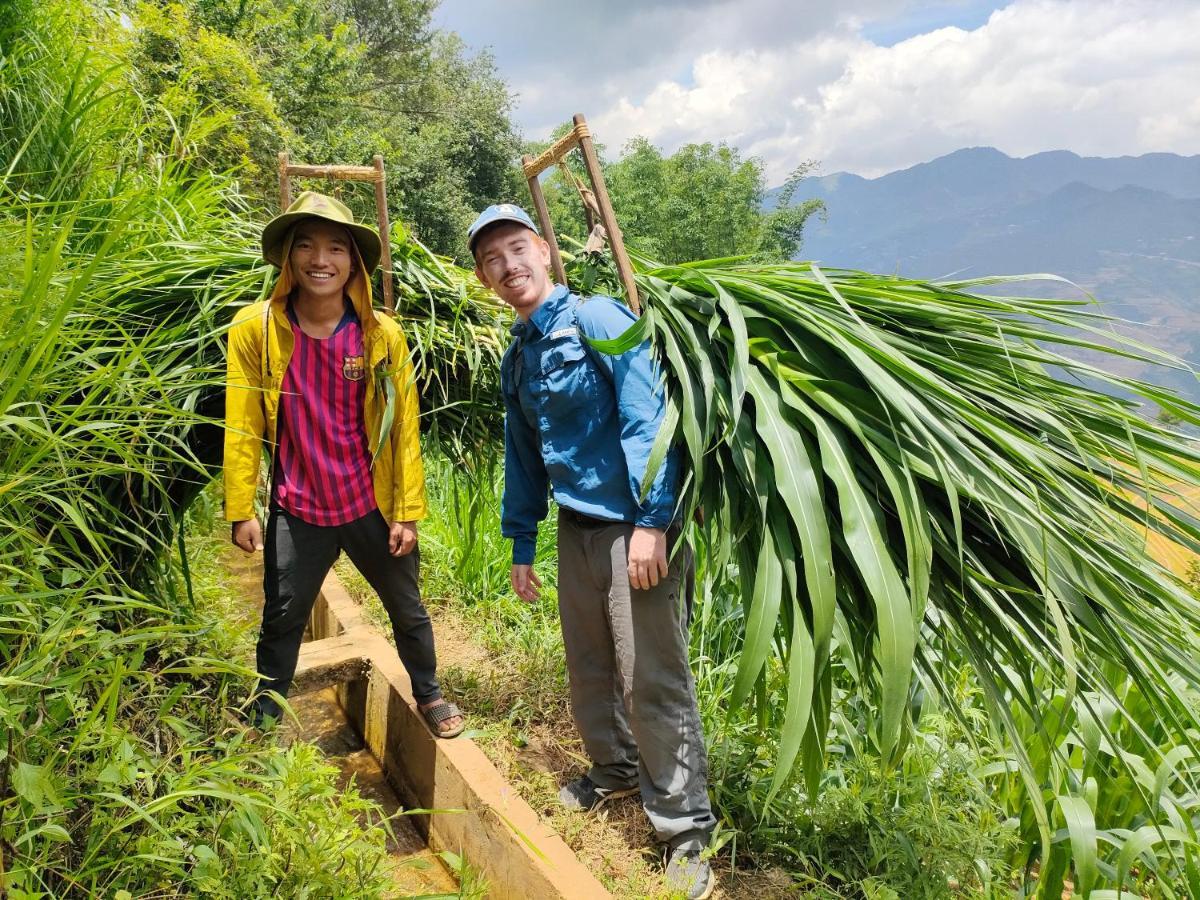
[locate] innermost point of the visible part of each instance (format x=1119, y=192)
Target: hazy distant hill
x=1126, y=229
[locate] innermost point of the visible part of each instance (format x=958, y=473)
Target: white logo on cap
x=507, y=208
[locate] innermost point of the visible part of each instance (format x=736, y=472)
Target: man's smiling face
x=513, y=261
x=322, y=258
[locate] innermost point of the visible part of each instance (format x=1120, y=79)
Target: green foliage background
x=120, y=771
x=233, y=82
x=704, y=201
x=137, y=146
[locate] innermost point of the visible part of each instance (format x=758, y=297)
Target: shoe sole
x=615, y=795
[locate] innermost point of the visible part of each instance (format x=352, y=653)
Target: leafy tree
x=337, y=82
x=457, y=154
x=783, y=227
x=397, y=37
x=704, y=201
x=214, y=102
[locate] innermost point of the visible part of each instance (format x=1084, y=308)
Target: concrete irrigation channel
x=352, y=698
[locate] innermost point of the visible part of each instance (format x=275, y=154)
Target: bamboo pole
x=285, y=182
x=385, y=235
x=607, y=216
x=543, y=214
x=579, y=136
x=336, y=173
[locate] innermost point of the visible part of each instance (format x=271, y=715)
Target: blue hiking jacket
x=580, y=423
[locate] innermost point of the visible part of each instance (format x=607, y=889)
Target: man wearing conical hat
x=327, y=382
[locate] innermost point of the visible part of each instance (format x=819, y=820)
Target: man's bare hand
x=402, y=538
x=525, y=583
x=647, y=557
x=247, y=535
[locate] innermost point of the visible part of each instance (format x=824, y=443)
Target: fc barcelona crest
x=354, y=368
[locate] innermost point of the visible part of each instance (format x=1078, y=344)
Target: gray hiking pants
x=632, y=691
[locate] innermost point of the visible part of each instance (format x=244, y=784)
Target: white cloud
x=577, y=55
x=1102, y=77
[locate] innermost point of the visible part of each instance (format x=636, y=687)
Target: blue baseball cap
x=498, y=212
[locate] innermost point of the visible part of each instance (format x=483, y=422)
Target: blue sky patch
x=965, y=14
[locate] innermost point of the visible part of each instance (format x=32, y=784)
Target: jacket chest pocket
x=568, y=378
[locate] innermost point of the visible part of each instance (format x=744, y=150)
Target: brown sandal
x=435, y=715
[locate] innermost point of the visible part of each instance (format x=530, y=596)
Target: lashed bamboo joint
x=338, y=173
x=560, y=148
x=580, y=136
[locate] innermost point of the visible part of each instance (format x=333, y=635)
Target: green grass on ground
x=339, y=821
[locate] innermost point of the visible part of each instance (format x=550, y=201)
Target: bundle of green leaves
x=903, y=473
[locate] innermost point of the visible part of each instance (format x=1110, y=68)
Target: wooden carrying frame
x=373, y=173
x=580, y=137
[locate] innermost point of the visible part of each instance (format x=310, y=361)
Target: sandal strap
x=441, y=712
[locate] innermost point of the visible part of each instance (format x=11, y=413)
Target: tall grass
x=906, y=475
x=917, y=831
x=456, y=329
x=119, y=773
x=899, y=481
x=466, y=566
x=953, y=816
x=889, y=473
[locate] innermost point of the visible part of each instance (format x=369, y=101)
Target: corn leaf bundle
x=895, y=469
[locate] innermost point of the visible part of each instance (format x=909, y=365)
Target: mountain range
x=1125, y=229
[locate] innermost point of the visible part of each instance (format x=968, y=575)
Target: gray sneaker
x=585, y=794
x=688, y=873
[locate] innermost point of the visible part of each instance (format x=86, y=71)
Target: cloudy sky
x=866, y=86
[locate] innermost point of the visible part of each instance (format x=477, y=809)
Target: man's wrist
x=523, y=551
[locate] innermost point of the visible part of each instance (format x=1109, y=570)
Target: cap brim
x=370, y=248
x=499, y=220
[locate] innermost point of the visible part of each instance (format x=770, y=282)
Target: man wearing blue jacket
x=580, y=424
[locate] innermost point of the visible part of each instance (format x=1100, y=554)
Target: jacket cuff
x=409, y=514
x=654, y=519
x=238, y=513
x=524, y=549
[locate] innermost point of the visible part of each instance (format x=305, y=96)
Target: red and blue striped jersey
x=323, y=465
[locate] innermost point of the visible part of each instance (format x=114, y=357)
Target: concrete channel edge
x=476, y=813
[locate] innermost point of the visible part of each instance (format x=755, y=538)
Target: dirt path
x=537, y=757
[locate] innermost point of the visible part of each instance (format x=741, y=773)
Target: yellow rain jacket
x=252, y=391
